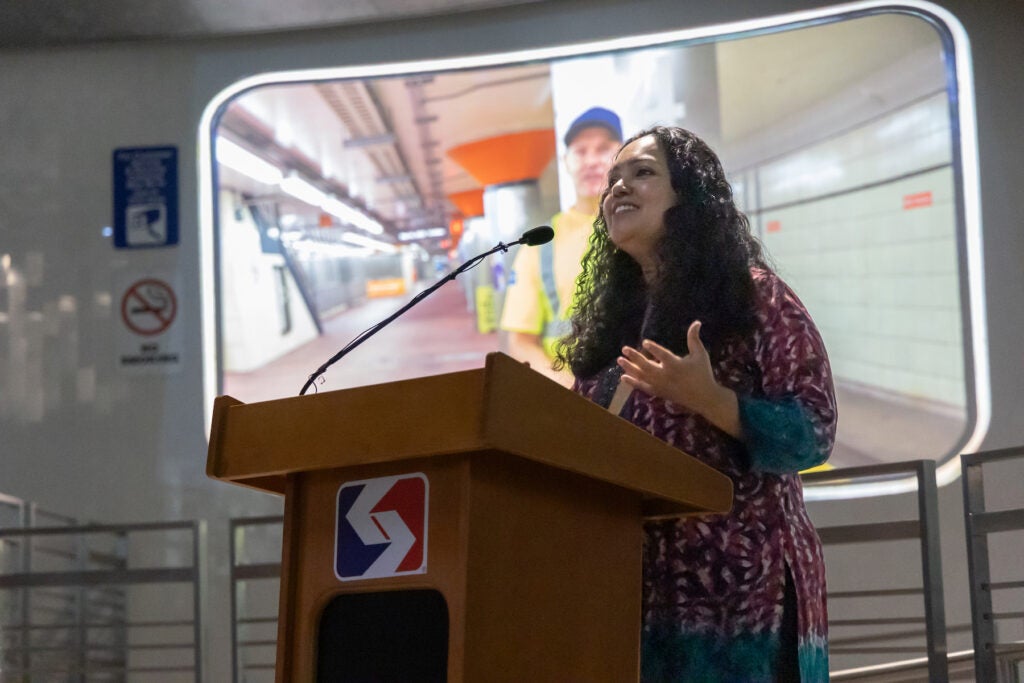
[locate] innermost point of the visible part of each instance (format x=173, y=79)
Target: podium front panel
x=538, y=569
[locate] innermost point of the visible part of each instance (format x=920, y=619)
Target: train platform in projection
x=439, y=335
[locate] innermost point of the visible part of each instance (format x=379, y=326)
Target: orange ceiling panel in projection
x=506, y=158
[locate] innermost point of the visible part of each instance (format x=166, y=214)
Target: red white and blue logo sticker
x=381, y=528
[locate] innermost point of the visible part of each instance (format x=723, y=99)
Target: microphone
x=531, y=238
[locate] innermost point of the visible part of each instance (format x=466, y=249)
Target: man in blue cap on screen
x=541, y=286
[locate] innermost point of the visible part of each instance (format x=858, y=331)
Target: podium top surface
x=503, y=407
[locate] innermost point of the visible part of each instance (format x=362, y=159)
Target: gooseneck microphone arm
x=532, y=237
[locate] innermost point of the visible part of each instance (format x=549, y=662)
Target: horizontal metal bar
x=992, y=522
x=237, y=522
x=256, y=643
x=885, y=592
x=887, y=636
x=873, y=650
x=879, y=621
x=161, y=646
x=12, y=672
x=865, y=472
x=102, y=665
x=861, y=533
x=258, y=620
x=244, y=572
x=1008, y=648
x=84, y=647
x=18, y=671
x=91, y=577
x=95, y=669
x=161, y=623
x=60, y=626
x=97, y=529
x=984, y=457
x=1002, y=585
x=100, y=625
x=878, y=671
x=1005, y=615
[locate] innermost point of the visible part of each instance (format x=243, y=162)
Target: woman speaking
x=678, y=304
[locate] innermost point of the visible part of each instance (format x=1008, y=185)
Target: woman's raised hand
x=685, y=380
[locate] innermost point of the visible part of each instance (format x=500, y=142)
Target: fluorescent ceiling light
x=351, y=215
x=245, y=162
x=302, y=190
x=422, y=234
x=329, y=249
x=364, y=241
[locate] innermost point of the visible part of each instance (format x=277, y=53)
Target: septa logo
x=381, y=528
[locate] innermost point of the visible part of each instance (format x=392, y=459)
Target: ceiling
x=43, y=23
x=382, y=145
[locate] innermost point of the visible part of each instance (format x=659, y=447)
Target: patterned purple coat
x=713, y=586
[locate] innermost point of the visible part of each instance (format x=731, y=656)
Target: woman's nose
x=619, y=187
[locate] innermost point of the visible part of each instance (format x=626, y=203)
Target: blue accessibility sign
x=145, y=197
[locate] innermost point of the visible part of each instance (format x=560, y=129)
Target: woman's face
x=639, y=193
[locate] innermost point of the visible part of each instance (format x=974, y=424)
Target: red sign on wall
x=917, y=200
x=773, y=226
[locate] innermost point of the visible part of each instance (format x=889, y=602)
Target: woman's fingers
x=636, y=358
x=633, y=362
x=638, y=384
x=658, y=351
x=693, y=342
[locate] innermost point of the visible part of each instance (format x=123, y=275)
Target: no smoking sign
x=148, y=307
x=150, y=341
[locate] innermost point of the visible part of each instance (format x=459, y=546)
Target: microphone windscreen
x=539, y=235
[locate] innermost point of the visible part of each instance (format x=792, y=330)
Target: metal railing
x=993, y=660
x=253, y=564
x=49, y=624
x=255, y=550
x=925, y=530
x=83, y=605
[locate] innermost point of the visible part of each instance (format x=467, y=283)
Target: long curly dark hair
x=704, y=261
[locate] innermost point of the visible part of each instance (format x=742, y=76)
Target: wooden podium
x=532, y=502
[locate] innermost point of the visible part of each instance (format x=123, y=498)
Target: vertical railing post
x=80, y=605
x=28, y=520
x=931, y=571
x=982, y=624
x=198, y=587
x=232, y=563
x=121, y=551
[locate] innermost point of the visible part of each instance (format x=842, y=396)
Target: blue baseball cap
x=595, y=117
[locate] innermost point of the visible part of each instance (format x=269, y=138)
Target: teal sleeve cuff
x=779, y=435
